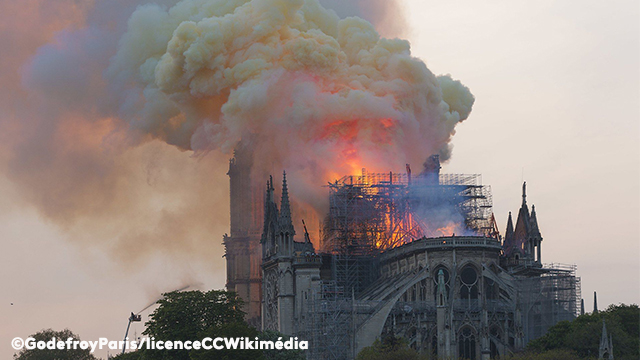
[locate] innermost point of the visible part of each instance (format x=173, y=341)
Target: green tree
x=184, y=315
x=47, y=354
x=236, y=330
x=390, y=348
x=582, y=335
x=195, y=315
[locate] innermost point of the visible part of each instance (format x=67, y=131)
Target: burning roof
x=378, y=211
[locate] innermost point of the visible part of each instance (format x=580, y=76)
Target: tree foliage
x=582, y=335
x=390, y=348
x=184, y=315
x=47, y=354
x=189, y=316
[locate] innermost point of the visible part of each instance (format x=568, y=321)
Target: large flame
x=380, y=211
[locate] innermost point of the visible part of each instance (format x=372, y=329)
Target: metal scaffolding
x=330, y=324
x=551, y=297
x=373, y=212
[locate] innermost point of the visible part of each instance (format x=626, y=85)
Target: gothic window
x=423, y=290
x=287, y=244
x=469, y=283
x=467, y=344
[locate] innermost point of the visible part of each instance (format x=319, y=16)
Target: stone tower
x=242, y=246
x=291, y=269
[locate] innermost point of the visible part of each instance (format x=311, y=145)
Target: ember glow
x=450, y=230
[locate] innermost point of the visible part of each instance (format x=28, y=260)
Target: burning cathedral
x=418, y=257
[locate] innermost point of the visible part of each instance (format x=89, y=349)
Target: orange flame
x=449, y=230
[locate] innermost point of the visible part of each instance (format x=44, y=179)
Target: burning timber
x=418, y=257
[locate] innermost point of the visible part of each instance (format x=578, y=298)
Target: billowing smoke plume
x=101, y=87
x=319, y=95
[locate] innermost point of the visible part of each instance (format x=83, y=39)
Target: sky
x=557, y=103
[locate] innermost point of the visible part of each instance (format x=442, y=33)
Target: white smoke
x=321, y=95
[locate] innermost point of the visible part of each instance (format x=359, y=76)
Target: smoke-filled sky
x=117, y=117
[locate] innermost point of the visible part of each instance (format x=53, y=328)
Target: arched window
x=467, y=344
x=423, y=290
x=286, y=243
x=468, y=283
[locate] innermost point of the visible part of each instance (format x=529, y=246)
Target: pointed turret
x=270, y=189
x=285, y=207
x=604, y=339
x=606, y=344
x=581, y=306
x=595, y=302
x=269, y=205
x=524, y=194
x=270, y=209
x=534, y=230
x=508, y=236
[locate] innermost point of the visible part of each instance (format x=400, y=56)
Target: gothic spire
x=285, y=207
x=270, y=208
x=604, y=338
x=606, y=344
x=595, y=303
x=524, y=194
x=535, y=230
x=509, y=234
x=611, y=345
